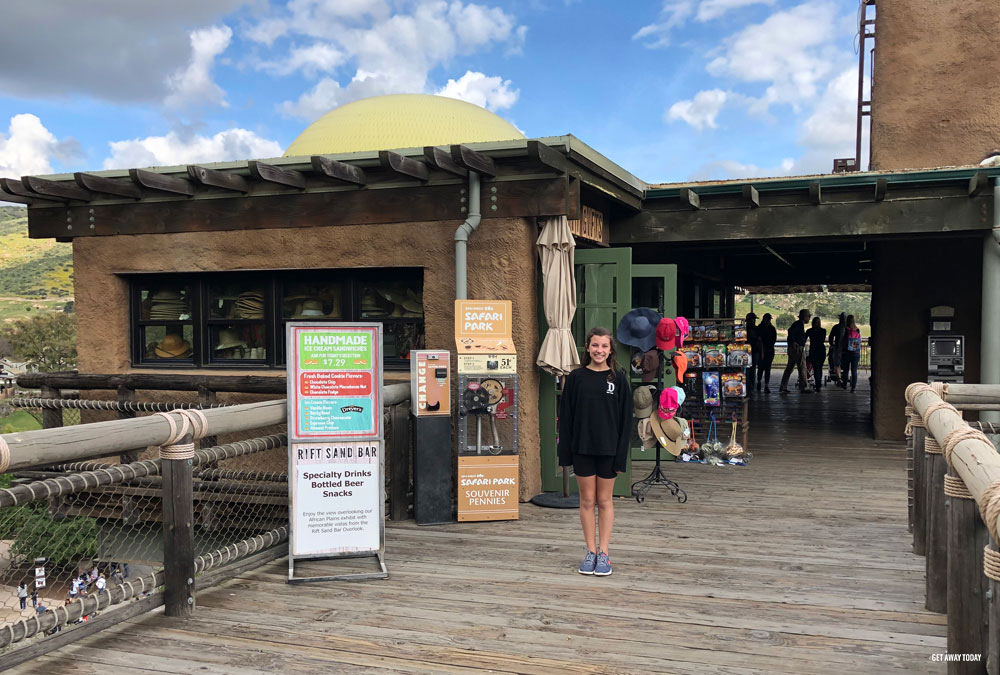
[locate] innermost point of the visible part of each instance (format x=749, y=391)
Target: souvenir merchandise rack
x=695, y=410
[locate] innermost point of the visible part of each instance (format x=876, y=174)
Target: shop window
x=238, y=319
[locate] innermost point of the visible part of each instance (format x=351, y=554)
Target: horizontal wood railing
x=955, y=517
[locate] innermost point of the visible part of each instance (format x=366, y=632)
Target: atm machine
x=945, y=348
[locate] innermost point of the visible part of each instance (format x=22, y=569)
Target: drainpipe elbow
x=468, y=227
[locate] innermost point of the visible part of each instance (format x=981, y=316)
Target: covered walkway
x=799, y=563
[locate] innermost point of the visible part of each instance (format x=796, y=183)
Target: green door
x=603, y=296
x=653, y=286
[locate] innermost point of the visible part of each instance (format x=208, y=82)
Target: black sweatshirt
x=595, y=416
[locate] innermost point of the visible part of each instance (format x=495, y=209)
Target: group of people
x=806, y=347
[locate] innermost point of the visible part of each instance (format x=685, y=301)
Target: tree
x=784, y=321
x=46, y=341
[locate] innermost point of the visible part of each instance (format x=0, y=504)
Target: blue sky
x=672, y=90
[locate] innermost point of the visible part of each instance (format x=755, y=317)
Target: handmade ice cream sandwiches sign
x=336, y=461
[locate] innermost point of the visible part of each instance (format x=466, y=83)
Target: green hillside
x=35, y=274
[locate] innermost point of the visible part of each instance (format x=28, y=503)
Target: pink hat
x=683, y=330
x=668, y=404
x=665, y=332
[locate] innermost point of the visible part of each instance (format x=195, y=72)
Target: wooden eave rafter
x=226, y=180
x=107, y=186
x=338, y=171
x=403, y=166
x=64, y=191
x=277, y=175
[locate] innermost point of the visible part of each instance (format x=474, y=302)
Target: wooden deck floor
x=799, y=563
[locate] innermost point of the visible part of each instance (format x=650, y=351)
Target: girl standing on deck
x=595, y=414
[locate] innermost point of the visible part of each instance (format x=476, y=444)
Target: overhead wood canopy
x=525, y=178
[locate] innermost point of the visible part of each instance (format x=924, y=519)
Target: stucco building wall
x=502, y=265
x=910, y=277
x=935, y=90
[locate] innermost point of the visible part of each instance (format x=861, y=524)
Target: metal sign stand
x=335, y=438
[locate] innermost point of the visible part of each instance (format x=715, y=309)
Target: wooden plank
x=980, y=182
x=161, y=182
x=523, y=198
x=14, y=199
x=473, y=161
x=936, y=558
x=275, y=174
x=126, y=395
x=14, y=187
x=399, y=462
x=403, y=166
x=107, y=186
x=56, y=189
x=227, y=180
x=442, y=160
x=178, y=534
x=690, y=198
x=51, y=418
x=548, y=157
x=340, y=171
x=881, y=188
x=815, y=193
x=751, y=196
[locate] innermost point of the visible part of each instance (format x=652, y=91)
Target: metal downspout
x=989, y=368
x=462, y=238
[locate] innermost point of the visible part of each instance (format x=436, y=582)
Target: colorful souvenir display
x=711, y=332
x=738, y=354
x=714, y=355
x=698, y=332
x=710, y=388
x=734, y=385
x=693, y=354
x=739, y=331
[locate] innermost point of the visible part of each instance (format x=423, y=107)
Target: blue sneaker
x=588, y=564
x=603, y=566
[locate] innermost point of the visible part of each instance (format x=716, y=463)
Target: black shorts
x=603, y=466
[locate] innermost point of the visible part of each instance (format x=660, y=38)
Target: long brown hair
x=601, y=331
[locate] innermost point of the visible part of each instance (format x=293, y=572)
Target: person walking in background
x=22, y=594
x=768, y=335
x=837, y=347
x=817, y=350
x=797, y=354
x=595, y=425
x=852, y=352
x=756, y=347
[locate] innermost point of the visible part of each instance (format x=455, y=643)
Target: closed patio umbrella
x=558, y=354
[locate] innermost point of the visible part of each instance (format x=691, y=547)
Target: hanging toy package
x=712, y=448
x=710, y=387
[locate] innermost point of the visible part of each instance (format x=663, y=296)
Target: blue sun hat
x=638, y=329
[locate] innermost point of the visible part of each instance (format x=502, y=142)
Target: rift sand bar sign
x=487, y=399
x=336, y=460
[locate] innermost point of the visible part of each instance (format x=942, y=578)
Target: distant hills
x=32, y=268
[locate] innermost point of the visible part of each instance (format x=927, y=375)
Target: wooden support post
x=936, y=561
x=178, y=535
x=967, y=603
x=206, y=398
x=919, y=506
x=399, y=462
x=126, y=395
x=992, y=656
x=51, y=418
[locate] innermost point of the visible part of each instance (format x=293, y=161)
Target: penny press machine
x=487, y=411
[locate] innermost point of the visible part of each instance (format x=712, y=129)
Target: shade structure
x=558, y=354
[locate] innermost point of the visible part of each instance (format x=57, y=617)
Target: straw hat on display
x=310, y=309
x=167, y=305
x=173, y=346
x=250, y=305
x=670, y=433
x=229, y=338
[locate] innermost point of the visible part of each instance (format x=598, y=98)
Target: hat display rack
x=644, y=329
x=717, y=346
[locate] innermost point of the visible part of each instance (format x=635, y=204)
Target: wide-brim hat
x=669, y=433
x=172, y=346
x=642, y=401
x=229, y=338
x=638, y=328
x=310, y=309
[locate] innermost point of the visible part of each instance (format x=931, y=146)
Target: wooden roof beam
x=63, y=191
x=14, y=199
x=547, y=157
x=161, y=182
x=275, y=174
x=442, y=160
x=341, y=171
x=404, y=166
x=219, y=179
x=881, y=188
x=751, y=196
x=107, y=186
x=979, y=182
x=473, y=161
x=815, y=193
x=690, y=198
x=13, y=186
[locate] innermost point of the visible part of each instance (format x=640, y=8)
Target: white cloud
x=727, y=169
x=492, y=93
x=193, y=85
x=175, y=148
x=794, y=52
x=831, y=130
x=311, y=60
x=28, y=148
x=380, y=52
x=676, y=13
x=701, y=111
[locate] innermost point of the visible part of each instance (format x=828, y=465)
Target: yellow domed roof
x=400, y=121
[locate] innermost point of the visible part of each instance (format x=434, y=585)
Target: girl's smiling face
x=599, y=349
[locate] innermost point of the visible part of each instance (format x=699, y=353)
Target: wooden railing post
x=967, y=587
x=51, y=418
x=919, y=492
x=399, y=461
x=127, y=395
x=936, y=561
x=178, y=534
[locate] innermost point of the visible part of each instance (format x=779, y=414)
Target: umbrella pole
x=556, y=500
